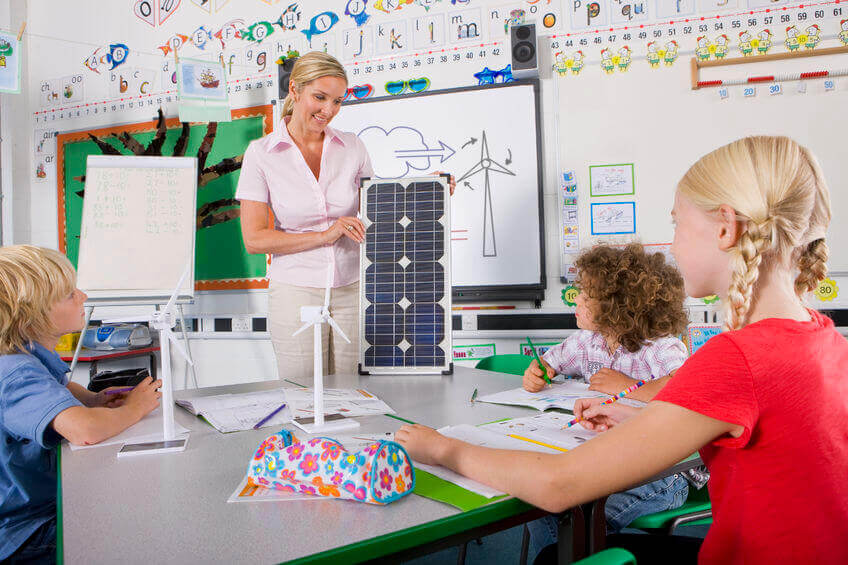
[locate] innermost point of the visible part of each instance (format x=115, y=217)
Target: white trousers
x=294, y=354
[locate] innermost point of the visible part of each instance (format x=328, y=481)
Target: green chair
x=696, y=511
x=611, y=556
x=511, y=363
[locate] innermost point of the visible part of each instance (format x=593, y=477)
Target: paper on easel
x=148, y=428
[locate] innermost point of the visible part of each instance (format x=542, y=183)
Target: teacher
x=308, y=174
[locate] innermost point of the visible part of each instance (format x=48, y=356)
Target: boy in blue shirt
x=39, y=302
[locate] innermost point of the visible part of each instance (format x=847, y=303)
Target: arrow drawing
x=466, y=183
x=486, y=164
x=471, y=141
x=444, y=152
x=508, y=159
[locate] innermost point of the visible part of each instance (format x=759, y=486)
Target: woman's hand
x=452, y=182
x=534, y=379
x=423, y=444
x=596, y=416
x=346, y=226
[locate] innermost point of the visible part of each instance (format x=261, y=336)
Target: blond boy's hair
x=778, y=191
x=313, y=65
x=32, y=280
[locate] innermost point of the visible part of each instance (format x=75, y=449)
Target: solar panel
x=405, y=293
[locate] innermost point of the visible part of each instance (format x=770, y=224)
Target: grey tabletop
x=172, y=508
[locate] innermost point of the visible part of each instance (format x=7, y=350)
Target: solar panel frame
x=423, y=293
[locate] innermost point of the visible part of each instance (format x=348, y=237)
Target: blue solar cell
x=424, y=356
x=425, y=201
x=383, y=356
x=425, y=241
x=384, y=324
x=384, y=283
x=424, y=282
x=424, y=324
x=384, y=242
x=385, y=202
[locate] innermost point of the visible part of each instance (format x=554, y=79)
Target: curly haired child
x=629, y=308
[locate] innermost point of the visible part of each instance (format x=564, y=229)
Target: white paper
x=483, y=438
x=613, y=218
x=348, y=402
x=558, y=395
x=148, y=428
x=610, y=180
x=237, y=412
x=545, y=428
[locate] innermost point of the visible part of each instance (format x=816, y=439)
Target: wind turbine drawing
x=316, y=316
x=487, y=164
x=163, y=321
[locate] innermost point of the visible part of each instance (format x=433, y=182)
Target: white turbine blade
x=336, y=327
x=304, y=327
x=177, y=345
x=173, y=298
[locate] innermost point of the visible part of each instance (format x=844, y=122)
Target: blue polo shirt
x=33, y=390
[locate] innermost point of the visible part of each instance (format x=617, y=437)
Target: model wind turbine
x=316, y=316
x=163, y=321
x=486, y=164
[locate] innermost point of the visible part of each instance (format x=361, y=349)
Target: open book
x=237, y=412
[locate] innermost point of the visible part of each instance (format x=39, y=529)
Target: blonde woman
x=308, y=174
x=39, y=302
x=764, y=402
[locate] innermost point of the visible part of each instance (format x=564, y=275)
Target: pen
x=608, y=401
x=119, y=390
x=473, y=396
x=539, y=361
x=261, y=422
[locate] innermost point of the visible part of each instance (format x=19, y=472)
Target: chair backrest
x=511, y=363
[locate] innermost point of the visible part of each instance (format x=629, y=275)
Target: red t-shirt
x=780, y=491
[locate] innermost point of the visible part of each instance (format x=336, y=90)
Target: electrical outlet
x=469, y=322
x=242, y=324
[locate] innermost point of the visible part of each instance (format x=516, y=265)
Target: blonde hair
x=779, y=194
x=32, y=280
x=313, y=65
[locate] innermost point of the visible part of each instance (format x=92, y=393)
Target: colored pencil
x=621, y=394
x=539, y=361
x=119, y=390
x=543, y=444
x=261, y=422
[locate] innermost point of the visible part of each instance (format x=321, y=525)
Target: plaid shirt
x=585, y=352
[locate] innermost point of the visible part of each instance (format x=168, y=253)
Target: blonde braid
x=746, y=258
x=812, y=267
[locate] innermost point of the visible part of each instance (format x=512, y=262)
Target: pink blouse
x=275, y=172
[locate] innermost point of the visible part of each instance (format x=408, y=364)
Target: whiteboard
x=138, y=225
x=652, y=118
x=489, y=138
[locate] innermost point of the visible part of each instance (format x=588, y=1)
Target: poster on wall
x=10, y=63
x=612, y=218
x=611, y=180
x=202, y=88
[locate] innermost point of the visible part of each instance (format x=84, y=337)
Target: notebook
x=237, y=412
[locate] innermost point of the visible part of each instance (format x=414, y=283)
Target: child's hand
x=145, y=396
x=424, y=444
x=111, y=400
x=596, y=416
x=534, y=379
x=610, y=382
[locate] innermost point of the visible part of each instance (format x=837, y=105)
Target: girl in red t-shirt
x=764, y=402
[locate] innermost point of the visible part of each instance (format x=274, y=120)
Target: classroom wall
x=645, y=116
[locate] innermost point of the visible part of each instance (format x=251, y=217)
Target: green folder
x=433, y=487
